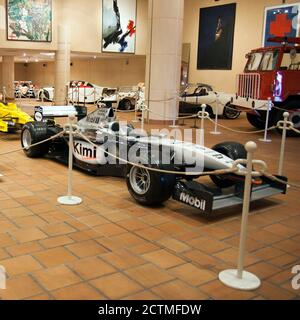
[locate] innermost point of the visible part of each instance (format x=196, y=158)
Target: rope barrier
x=203, y=173
x=273, y=178
x=35, y=144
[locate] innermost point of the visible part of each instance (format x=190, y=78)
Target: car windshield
x=262, y=61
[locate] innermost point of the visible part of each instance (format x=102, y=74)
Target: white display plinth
x=69, y=200
x=248, y=281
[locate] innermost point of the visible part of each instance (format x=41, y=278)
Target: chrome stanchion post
x=72, y=95
x=283, y=141
x=216, y=132
x=269, y=108
x=238, y=278
x=137, y=101
x=203, y=107
x=69, y=199
x=4, y=94
x=144, y=108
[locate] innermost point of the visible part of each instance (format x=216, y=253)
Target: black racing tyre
x=149, y=188
x=293, y=117
x=126, y=104
x=33, y=132
x=234, y=151
x=259, y=120
x=230, y=112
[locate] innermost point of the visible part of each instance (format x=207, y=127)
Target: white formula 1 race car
x=194, y=95
x=108, y=138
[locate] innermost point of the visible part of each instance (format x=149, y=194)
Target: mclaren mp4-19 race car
x=104, y=146
x=12, y=118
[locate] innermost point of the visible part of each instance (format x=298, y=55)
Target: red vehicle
x=271, y=72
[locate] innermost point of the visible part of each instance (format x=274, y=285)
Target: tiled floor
x=111, y=248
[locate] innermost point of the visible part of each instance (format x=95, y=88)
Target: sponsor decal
x=87, y=152
x=192, y=201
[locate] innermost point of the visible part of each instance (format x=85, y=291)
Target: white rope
x=203, y=173
x=239, y=131
x=272, y=177
x=35, y=144
x=177, y=118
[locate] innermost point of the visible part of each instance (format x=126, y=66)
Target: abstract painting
x=281, y=21
x=29, y=20
x=118, y=26
x=216, y=35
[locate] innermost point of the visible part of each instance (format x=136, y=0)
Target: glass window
x=254, y=61
x=269, y=61
x=290, y=62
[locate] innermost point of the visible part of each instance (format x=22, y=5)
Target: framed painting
x=29, y=20
x=281, y=21
x=118, y=26
x=216, y=36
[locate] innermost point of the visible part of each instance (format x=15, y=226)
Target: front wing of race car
x=210, y=200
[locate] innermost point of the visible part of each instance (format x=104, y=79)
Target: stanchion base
x=265, y=140
x=69, y=200
x=215, y=132
x=174, y=126
x=247, y=283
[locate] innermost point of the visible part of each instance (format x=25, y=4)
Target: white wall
x=85, y=21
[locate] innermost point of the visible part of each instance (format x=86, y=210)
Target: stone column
x=62, y=65
x=163, y=66
x=8, y=75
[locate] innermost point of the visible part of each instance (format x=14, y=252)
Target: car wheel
x=33, y=132
x=230, y=112
x=259, y=120
x=234, y=151
x=126, y=104
x=149, y=188
x=294, y=117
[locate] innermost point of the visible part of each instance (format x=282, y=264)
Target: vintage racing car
x=79, y=92
x=194, y=95
x=108, y=137
x=24, y=89
x=12, y=118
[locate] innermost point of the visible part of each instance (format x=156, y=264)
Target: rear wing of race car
x=42, y=113
x=211, y=200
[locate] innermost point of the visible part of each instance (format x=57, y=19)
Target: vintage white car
x=194, y=95
x=125, y=98
x=78, y=92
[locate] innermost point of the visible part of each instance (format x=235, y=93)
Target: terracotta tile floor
x=111, y=248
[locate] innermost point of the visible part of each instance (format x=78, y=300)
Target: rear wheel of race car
x=125, y=104
x=34, y=132
x=230, y=112
x=234, y=151
x=149, y=188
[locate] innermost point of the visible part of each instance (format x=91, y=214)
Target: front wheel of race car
x=234, y=151
x=149, y=188
x=32, y=133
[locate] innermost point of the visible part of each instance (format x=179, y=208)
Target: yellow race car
x=12, y=118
